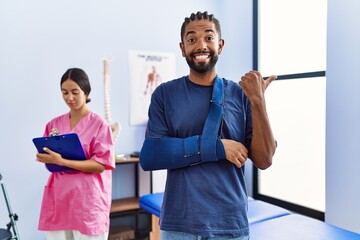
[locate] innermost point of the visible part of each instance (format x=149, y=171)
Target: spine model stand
x=115, y=127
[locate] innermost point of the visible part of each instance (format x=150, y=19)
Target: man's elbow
x=147, y=163
x=265, y=166
x=264, y=163
x=146, y=166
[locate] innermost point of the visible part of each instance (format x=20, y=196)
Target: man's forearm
x=172, y=153
x=263, y=144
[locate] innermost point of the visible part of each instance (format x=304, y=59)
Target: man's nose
x=202, y=45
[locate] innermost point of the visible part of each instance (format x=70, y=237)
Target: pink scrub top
x=75, y=200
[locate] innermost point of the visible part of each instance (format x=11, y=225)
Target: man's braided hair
x=201, y=16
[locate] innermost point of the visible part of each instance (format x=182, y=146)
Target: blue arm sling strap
x=171, y=153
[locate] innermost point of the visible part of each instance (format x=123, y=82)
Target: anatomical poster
x=147, y=71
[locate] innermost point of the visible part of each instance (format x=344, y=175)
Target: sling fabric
x=212, y=124
x=180, y=152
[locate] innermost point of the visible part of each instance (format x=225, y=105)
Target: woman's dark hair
x=200, y=16
x=81, y=78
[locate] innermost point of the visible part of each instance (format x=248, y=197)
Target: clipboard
x=68, y=145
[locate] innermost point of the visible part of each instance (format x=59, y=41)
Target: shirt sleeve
x=102, y=149
x=156, y=126
x=248, y=133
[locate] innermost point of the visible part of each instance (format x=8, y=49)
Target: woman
x=76, y=203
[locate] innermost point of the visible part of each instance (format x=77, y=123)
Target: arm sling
x=171, y=153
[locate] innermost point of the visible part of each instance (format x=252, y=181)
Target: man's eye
x=210, y=38
x=191, y=40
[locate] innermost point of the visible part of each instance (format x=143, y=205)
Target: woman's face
x=73, y=95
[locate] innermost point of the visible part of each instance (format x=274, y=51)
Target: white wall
x=40, y=39
x=343, y=115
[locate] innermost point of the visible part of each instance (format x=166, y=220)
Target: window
x=290, y=41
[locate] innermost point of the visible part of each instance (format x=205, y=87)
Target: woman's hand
x=84, y=166
x=50, y=157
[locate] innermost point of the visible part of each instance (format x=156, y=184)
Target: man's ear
x=181, y=44
x=221, y=45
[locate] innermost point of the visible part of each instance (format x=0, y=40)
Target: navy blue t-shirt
x=206, y=199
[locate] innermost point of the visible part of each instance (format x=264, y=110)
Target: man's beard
x=202, y=67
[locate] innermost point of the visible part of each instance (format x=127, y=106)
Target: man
x=205, y=197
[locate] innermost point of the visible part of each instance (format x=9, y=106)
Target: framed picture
x=147, y=71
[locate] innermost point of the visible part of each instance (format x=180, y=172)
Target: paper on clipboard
x=68, y=145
